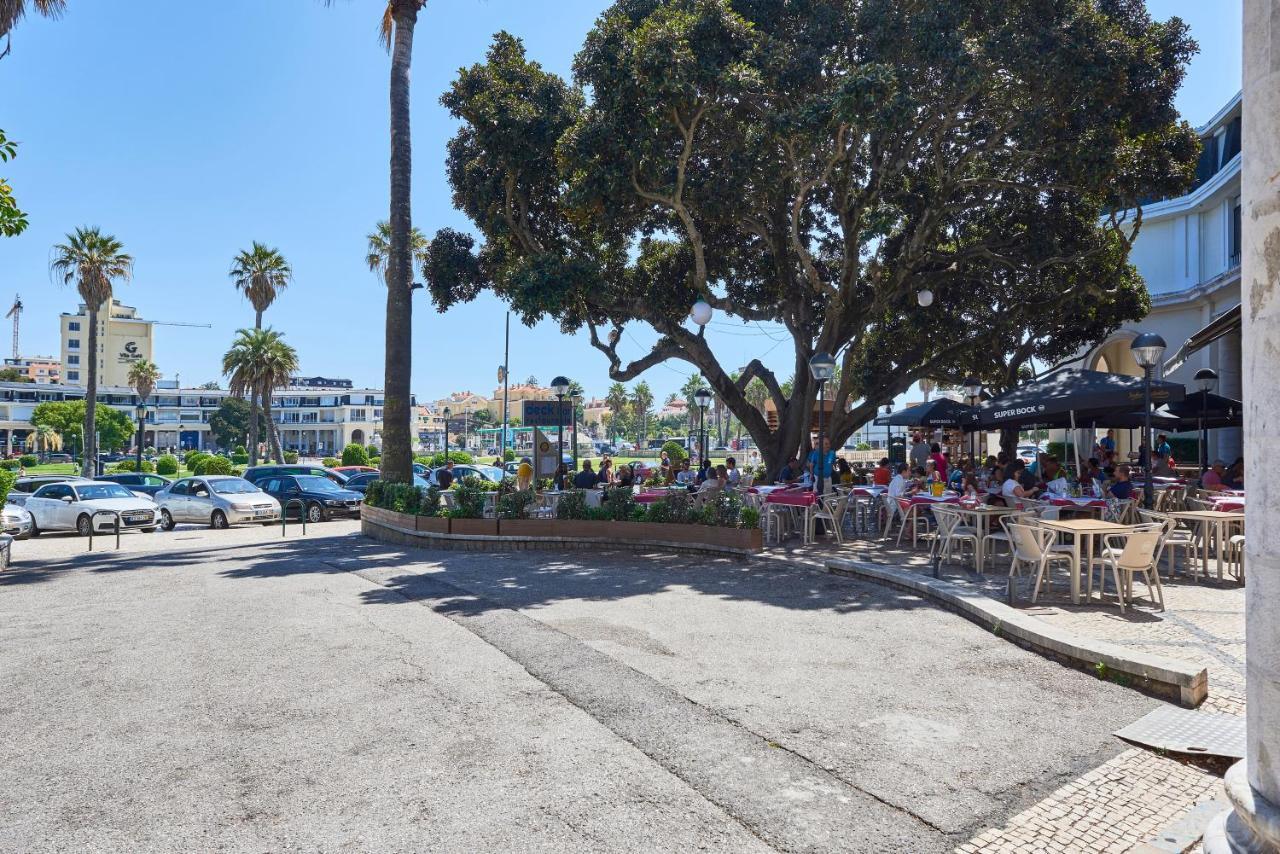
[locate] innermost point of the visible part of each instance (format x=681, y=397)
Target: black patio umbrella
x=1217, y=410
x=1161, y=419
x=1073, y=396
x=943, y=412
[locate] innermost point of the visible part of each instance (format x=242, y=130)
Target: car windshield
x=314, y=483
x=97, y=491
x=491, y=472
x=232, y=486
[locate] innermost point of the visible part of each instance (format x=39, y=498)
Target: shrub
x=437, y=460
x=675, y=452
x=430, y=503
x=240, y=449
x=509, y=455
x=329, y=462
x=7, y=479
x=168, y=464
x=515, y=505
x=355, y=455
x=677, y=508
x=217, y=465
x=373, y=451
x=572, y=505
x=193, y=459
x=29, y=460
x=125, y=465
x=290, y=457
x=619, y=504
x=398, y=497
x=468, y=499
x=749, y=518
x=724, y=512
x=240, y=459
x=10, y=465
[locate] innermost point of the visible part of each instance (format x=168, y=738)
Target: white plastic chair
x=1173, y=536
x=831, y=509
x=1034, y=545
x=1126, y=555
x=951, y=533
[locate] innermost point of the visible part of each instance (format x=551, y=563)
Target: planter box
x=632, y=532
x=389, y=518
x=433, y=524
x=474, y=527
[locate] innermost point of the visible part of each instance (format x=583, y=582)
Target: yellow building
x=123, y=338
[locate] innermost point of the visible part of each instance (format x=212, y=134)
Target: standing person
x=823, y=463
x=1108, y=443
x=920, y=451
x=1163, y=449
x=561, y=476
x=940, y=461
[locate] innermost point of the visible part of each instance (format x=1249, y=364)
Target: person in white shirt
x=1012, y=491
x=686, y=476
x=733, y=474
x=899, y=487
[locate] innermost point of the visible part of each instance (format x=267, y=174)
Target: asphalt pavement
x=240, y=691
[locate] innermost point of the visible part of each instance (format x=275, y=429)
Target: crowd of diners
x=705, y=478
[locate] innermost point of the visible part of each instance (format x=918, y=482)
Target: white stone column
x=1254, y=784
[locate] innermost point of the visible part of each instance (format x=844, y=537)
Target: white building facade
x=1188, y=252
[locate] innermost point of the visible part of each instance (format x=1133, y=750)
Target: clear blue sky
x=190, y=129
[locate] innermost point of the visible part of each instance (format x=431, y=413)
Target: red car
x=350, y=470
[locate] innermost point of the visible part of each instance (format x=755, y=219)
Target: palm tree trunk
x=90, y=444
x=397, y=458
x=273, y=441
x=253, y=428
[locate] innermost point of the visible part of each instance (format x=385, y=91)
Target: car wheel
x=218, y=520
x=166, y=520
x=315, y=513
x=84, y=525
x=35, y=529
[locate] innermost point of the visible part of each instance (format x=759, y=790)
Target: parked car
x=23, y=487
x=321, y=497
x=1027, y=453
x=359, y=482
x=491, y=474
x=348, y=471
x=216, y=500
x=17, y=521
x=147, y=484
x=72, y=505
x=57, y=458
x=257, y=473
x=421, y=470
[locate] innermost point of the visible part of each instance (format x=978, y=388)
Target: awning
x=1090, y=395
x=1224, y=324
x=943, y=412
x=1215, y=410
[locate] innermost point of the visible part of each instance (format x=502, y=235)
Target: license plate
x=262, y=512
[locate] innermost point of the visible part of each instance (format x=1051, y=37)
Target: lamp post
x=560, y=386
x=446, y=435
x=1147, y=349
x=888, y=430
x=703, y=398
x=1208, y=380
x=822, y=367
x=973, y=391
x=141, y=411
x=573, y=413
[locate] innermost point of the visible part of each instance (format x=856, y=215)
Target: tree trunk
x=397, y=447
x=1009, y=441
x=90, y=444
x=253, y=428
x=273, y=441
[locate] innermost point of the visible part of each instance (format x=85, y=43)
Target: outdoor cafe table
x=1083, y=503
x=981, y=514
x=648, y=496
x=1217, y=520
x=1083, y=532
x=794, y=498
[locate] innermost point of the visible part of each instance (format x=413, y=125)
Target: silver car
x=218, y=501
x=17, y=521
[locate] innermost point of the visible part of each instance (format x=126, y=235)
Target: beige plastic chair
x=1034, y=545
x=951, y=533
x=830, y=508
x=1173, y=536
x=1126, y=555
x=994, y=538
x=1235, y=556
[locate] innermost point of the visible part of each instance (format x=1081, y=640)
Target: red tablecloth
x=792, y=497
x=649, y=496
x=1233, y=504
x=1066, y=502
x=916, y=500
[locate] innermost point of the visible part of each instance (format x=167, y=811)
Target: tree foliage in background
x=229, y=423
x=12, y=220
x=816, y=164
x=66, y=418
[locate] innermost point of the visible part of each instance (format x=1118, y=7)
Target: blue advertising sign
x=543, y=413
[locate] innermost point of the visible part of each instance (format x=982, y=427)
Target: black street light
x=573, y=414
x=141, y=411
x=1147, y=350
x=560, y=385
x=1208, y=380
x=973, y=391
x=703, y=398
x=888, y=431
x=822, y=367
x=446, y=436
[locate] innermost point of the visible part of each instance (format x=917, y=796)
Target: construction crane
x=15, y=313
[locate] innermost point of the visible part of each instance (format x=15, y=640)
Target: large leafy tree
x=814, y=163
x=229, y=423
x=67, y=418
x=94, y=261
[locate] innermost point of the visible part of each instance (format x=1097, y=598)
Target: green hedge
x=132, y=465
x=436, y=460
x=168, y=464
x=29, y=460
x=10, y=465
x=7, y=479
x=355, y=455
x=214, y=465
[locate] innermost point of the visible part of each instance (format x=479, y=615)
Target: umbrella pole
x=1075, y=442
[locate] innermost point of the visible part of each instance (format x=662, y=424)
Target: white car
x=17, y=521
x=218, y=501
x=76, y=505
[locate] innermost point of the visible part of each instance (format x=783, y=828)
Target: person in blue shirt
x=1122, y=487
x=828, y=462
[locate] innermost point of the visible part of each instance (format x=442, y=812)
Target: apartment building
x=123, y=338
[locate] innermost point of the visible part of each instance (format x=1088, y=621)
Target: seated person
x=587, y=478
x=1122, y=487
x=790, y=473
x=959, y=474
x=882, y=475
x=1013, y=488
x=733, y=474
x=713, y=481
x=623, y=477
x=900, y=486
x=1051, y=470
x=1235, y=477
x=1215, y=479
x=843, y=473
x=686, y=476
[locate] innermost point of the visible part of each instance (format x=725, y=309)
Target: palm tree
x=260, y=273
x=641, y=401
x=396, y=31
x=13, y=11
x=259, y=360
x=617, y=399
x=380, y=248
x=47, y=438
x=143, y=376
x=92, y=260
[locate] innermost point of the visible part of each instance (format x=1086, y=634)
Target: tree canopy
x=66, y=417
x=817, y=164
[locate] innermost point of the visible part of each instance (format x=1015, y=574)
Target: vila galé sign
x=129, y=353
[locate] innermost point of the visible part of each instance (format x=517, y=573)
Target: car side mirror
x=200, y=493
x=68, y=499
